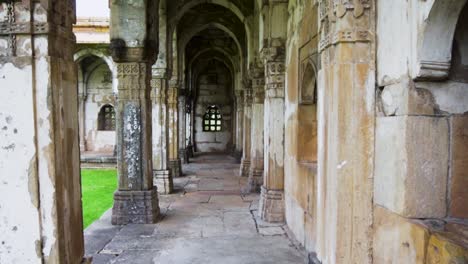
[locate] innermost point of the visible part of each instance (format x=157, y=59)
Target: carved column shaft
x=182, y=129
x=161, y=173
x=245, y=162
x=257, y=145
x=239, y=124
x=82, y=120
x=133, y=48
x=347, y=127
x=272, y=192
x=175, y=164
x=136, y=199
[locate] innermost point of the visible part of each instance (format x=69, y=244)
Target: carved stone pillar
x=136, y=200
x=346, y=107
x=175, y=164
x=239, y=124
x=245, y=163
x=161, y=174
x=182, y=129
x=257, y=145
x=271, y=207
x=82, y=120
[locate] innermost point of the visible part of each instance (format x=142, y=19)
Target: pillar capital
x=132, y=80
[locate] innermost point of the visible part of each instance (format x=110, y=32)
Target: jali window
x=212, y=120
x=106, y=119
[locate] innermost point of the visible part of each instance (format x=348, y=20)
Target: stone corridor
x=206, y=220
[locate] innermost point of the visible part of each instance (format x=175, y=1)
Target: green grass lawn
x=98, y=187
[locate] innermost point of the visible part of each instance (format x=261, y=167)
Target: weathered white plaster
x=20, y=228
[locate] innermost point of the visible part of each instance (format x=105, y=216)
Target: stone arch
x=307, y=140
x=235, y=67
x=85, y=53
x=82, y=54
x=435, y=49
x=308, y=84
x=223, y=3
x=222, y=82
x=219, y=26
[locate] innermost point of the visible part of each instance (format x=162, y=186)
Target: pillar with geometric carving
x=161, y=174
x=271, y=208
x=175, y=164
x=182, y=128
x=136, y=200
x=347, y=127
x=245, y=162
x=257, y=146
x=239, y=124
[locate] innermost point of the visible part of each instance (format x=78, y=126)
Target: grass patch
x=98, y=187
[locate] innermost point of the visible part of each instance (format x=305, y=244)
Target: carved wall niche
x=307, y=103
x=308, y=69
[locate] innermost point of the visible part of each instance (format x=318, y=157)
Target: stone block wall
x=301, y=123
x=420, y=181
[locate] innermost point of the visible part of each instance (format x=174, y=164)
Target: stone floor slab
x=207, y=220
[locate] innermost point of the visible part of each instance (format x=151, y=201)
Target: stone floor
x=206, y=220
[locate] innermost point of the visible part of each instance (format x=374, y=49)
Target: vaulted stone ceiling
x=209, y=16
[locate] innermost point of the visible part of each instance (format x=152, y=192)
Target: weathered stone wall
x=301, y=126
x=40, y=203
x=214, y=88
x=420, y=162
x=98, y=94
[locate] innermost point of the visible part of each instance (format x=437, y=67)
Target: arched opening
x=307, y=115
x=106, y=118
x=213, y=107
x=95, y=96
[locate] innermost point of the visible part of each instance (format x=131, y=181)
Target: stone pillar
x=182, y=129
x=40, y=197
x=257, y=145
x=136, y=200
x=82, y=120
x=239, y=124
x=346, y=134
x=245, y=163
x=175, y=164
x=161, y=174
x=271, y=207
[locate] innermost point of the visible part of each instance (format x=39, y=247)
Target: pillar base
x=175, y=166
x=244, y=168
x=271, y=207
x=183, y=156
x=190, y=151
x=163, y=181
x=135, y=207
x=255, y=181
x=237, y=154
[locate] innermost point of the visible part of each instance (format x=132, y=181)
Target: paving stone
x=209, y=223
x=271, y=231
